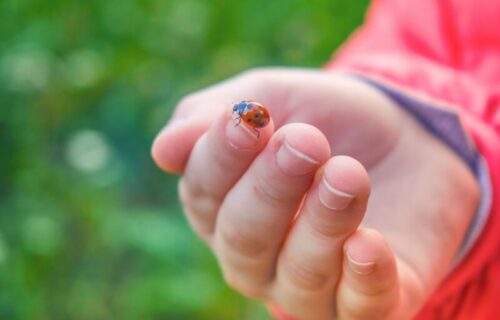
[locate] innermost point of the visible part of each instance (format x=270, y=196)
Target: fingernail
x=333, y=198
x=294, y=162
x=240, y=136
x=360, y=267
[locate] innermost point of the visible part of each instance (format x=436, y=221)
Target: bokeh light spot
x=26, y=69
x=88, y=151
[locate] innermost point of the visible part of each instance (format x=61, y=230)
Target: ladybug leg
x=238, y=121
x=257, y=132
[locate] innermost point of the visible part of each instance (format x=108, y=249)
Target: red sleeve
x=447, y=52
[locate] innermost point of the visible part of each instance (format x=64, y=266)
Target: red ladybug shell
x=257, y=116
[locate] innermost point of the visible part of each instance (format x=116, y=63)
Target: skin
x=343, y=208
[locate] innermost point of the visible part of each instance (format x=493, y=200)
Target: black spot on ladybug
x=261, y=124
x=257, y=115
x=249, y=120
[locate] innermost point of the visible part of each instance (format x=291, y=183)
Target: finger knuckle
x=198, y=197
x=200, y=207
x=242, y=242
x=268, y=194
x=328, y=228
x=365, y=307
x=243, y=284
x=230, y=160
x=305, y=276
x=377, y=290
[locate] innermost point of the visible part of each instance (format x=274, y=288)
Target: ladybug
x=253, y=114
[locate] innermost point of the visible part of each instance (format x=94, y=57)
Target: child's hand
x=241, y=194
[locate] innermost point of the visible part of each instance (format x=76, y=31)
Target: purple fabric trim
x=446, y=125
x=442, y=123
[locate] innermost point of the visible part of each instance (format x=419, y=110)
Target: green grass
x=89, y=228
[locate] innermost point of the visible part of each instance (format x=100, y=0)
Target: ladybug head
x=240, y=107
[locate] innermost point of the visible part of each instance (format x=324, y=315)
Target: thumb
x=172, y=146
x=369, y=288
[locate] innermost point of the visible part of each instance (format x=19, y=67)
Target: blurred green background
x=89, y=228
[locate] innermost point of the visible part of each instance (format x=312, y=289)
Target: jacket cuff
x=444, y=123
